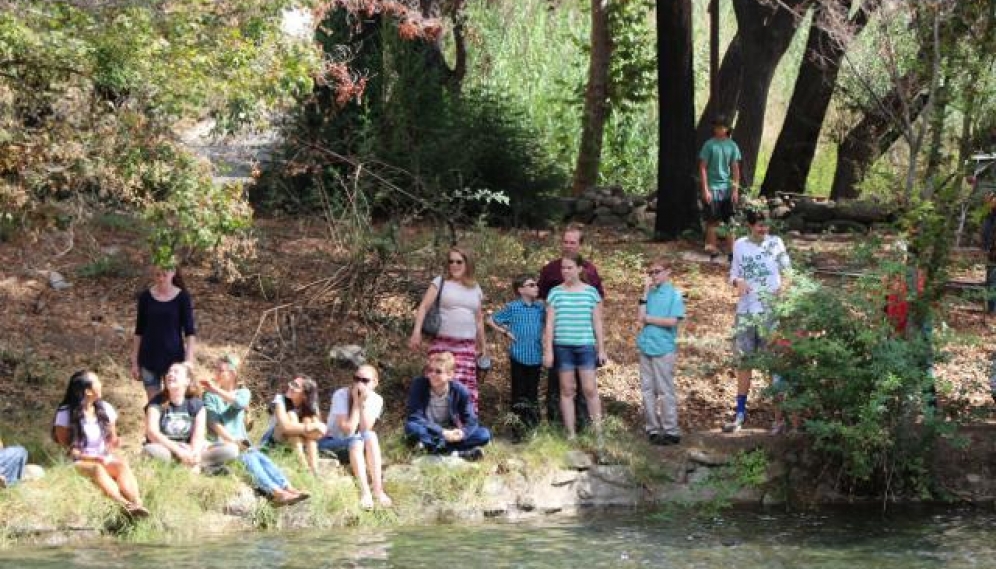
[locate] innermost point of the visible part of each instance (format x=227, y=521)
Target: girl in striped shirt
x=573, y=339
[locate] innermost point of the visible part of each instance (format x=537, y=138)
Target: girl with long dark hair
x=165, y=332
x=295, y=421
x=84, y=424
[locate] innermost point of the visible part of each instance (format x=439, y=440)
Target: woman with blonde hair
x=351, y=434
x=176, y=425
x=461, y=318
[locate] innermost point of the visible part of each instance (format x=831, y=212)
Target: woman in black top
x=165, y=332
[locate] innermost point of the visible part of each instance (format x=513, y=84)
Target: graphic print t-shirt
x=761, y=265
x=177, y=421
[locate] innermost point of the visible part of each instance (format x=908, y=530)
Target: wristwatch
x=643, y=301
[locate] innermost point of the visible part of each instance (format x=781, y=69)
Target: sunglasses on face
x=435, y=370
x=362, y=379
x=456, y=261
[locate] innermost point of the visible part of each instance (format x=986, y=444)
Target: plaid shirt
x=525, y=321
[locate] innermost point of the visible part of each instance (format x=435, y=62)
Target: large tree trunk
x=676, y=194
x=727, y=92
x=793, y=155
x=871, y=137
x=596, y=104
x=766, y=32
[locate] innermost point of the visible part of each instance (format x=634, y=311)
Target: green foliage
x=862, y=392
x=106, y=266
x=91, y=93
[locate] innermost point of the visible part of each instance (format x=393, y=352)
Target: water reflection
x=847, y=539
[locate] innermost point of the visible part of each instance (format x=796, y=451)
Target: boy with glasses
x=522, y=322
x=660, y=311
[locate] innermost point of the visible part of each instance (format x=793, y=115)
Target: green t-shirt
x=719, y=154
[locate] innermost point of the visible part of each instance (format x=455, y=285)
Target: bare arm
x=596, y=317
x=427, y=299
x=482, y=338
x=704, y=179
x=735, y=175
x=135, y=345
x=548, y=337
x=198, y=438
x=191, y=348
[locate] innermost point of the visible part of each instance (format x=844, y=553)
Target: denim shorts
x=570, y=358
x=751, y=332
x=151, y=379
x=340, y=446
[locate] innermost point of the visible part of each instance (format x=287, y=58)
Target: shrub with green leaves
x=863, y=391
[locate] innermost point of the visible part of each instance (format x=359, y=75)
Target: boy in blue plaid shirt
x=522, y=321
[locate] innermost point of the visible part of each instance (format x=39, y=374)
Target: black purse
x=433, y=320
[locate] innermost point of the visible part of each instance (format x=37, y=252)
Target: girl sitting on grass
x=294, y=421
x=226, y=402
x=84, y=424
x=176, y=423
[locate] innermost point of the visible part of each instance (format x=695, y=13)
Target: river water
x=848, y=539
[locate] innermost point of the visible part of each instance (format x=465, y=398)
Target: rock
x=442, y=460
x=748, y=495
x=617, y=190
x=608, y=220
x=781, y=212
x=401, y=473
x=613, y=474
x=795, y=222
x=973, y=478
x=515, y=465
x=32, y=472
x=243, y=504
x=590, y=194
x=110, y=250
x=708, y=458
x=612, y=202
x=595, y=490
x=494, y=486
x=328, y=465
x=578, y=460
x=638, y=201
x=57, y=281
x=699, y=475
x=776, y=470
x=773, y=499
x=584, y=206
x=351, y=353
x=652, y=204
x=562, y=477
x=622, y=208
x=602, y=211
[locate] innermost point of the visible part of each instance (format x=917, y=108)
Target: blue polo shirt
x=525, y=321
x=663, y=301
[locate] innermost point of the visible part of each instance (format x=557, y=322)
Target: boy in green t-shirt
x=719, y=172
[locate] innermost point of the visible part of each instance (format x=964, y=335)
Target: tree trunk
x=793, y=155
x=767, y=31
x=676, y=194
x=871, y=137
x=727, y=92
x=596, y=103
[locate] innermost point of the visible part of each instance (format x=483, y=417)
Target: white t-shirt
x=761, y=266
x=94, y=443
x=373, y=407
x=458, y=307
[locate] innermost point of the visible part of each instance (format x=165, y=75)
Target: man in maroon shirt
x=550, y=276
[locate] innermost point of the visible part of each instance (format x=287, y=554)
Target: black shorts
x=718, y=210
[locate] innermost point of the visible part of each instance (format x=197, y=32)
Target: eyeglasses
x=529, y=284
x=362, y=379
x=435, y=370
x=456, y=261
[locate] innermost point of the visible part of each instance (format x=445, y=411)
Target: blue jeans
x=418, y=433
x=570, y=358
x=265, y=475
x=341, y=445
x=12, y=462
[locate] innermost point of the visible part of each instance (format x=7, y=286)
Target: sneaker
x=655, y=438
x=778, y=428
x=667, y=440
x=737, y=423
x=472, y=455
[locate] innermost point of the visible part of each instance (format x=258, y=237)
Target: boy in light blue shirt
x=660, y=311
x=522, y=321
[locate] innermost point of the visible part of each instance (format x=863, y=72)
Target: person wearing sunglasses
x=226, y=401
x=350, y=434
x=522, y=322
x=441, y=417
x=659, y=312
x=294, y=421
x=461, y=330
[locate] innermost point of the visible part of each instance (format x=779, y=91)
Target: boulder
x=351, y=353
x=652, y=204
x=795, y=222
x=708, y=458
x=781, y=212
x=583, y=206
x=608, y=486
x=699, y=475
x=622, y=208
x=243, y=503
x=617, y=190
x=608, y=220
x=32, y=472
x=57, y=281
x=563, y=477
x=578, y=460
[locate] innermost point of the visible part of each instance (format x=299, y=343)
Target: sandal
x=136, y=512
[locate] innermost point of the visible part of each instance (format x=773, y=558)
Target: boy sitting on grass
x=522, y=321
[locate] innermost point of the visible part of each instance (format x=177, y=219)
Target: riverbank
x=542, y=478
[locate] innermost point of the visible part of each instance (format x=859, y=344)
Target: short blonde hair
x=373, y=372
x=444, y=360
